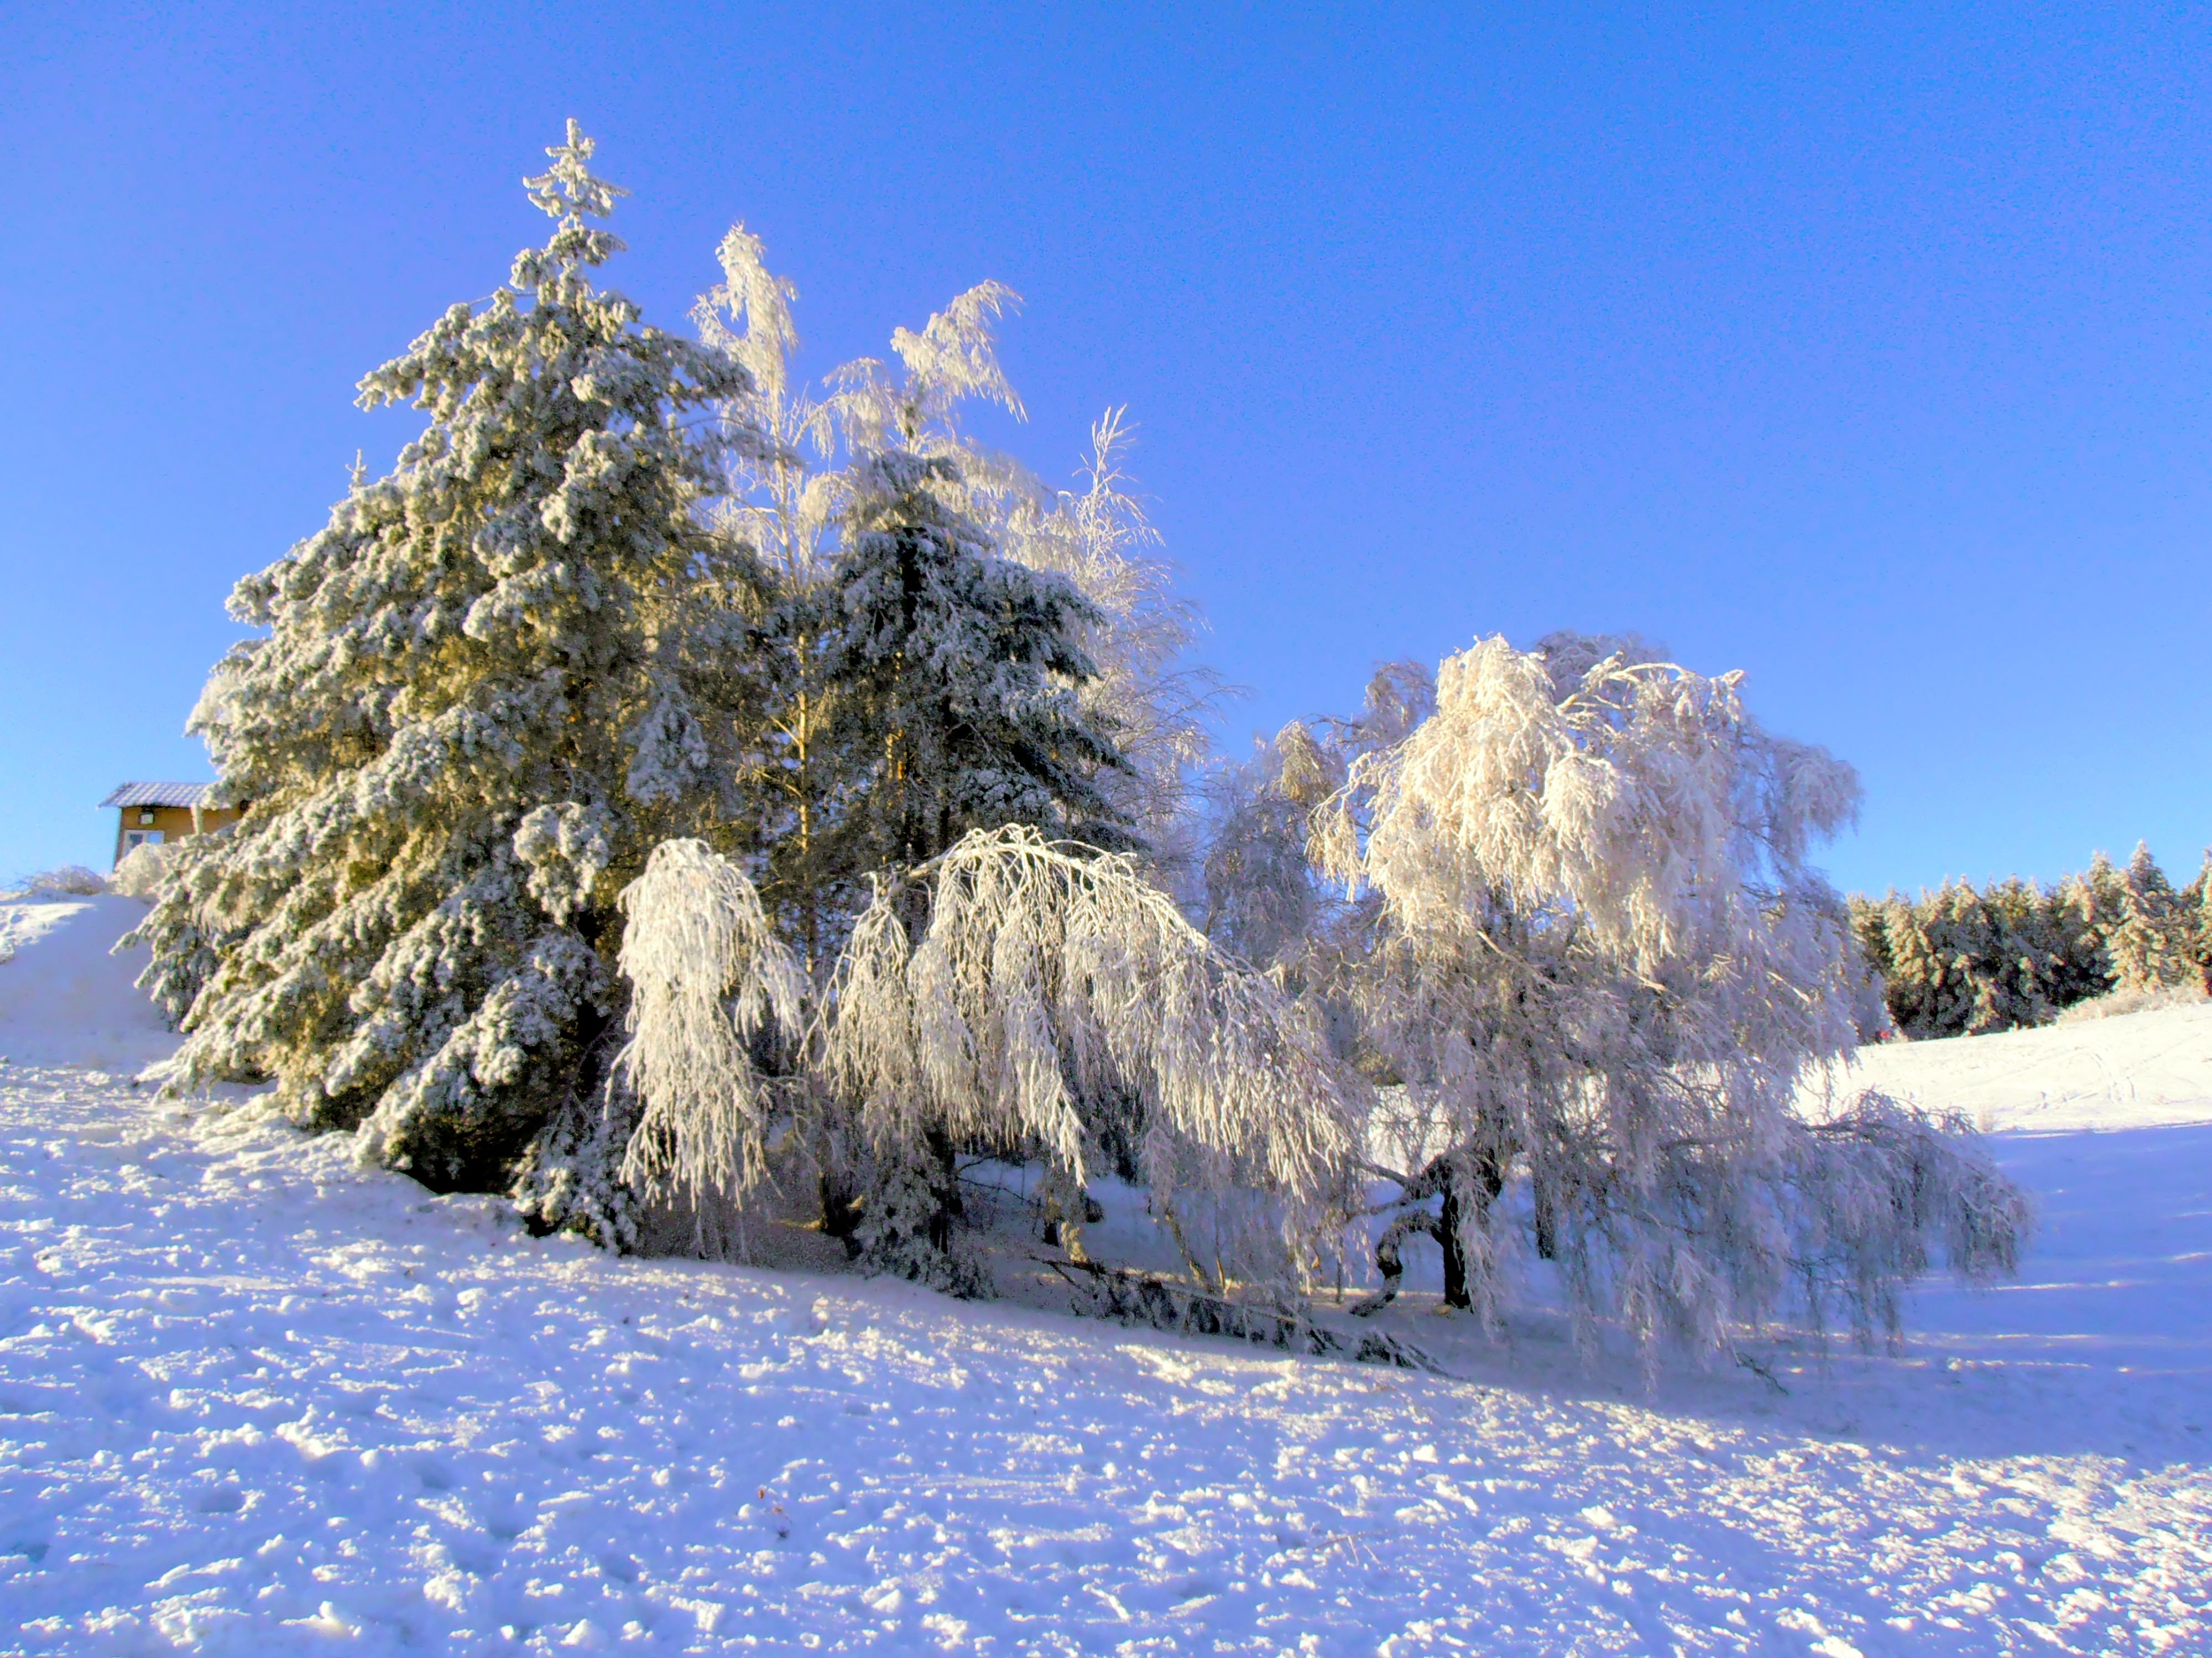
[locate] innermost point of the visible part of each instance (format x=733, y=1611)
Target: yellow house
x=164, y=811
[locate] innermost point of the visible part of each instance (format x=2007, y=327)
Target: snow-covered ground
x=254, y=1400
x=2149, y=1070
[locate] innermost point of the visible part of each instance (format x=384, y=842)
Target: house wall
x=174, y=823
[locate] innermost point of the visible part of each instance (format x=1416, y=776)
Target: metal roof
x=159, y=794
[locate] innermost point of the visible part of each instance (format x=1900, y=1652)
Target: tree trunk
x=1448, y=1237
x=947, y=1185
x=841, y=1215
x=1547, y=1223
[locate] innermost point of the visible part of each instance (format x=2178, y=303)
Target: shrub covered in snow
x=143, y=871
x=69, y=881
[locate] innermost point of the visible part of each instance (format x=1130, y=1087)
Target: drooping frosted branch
x=1055, y=992
x=708, y=976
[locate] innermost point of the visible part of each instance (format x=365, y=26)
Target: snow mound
x=2142, y=1069
x=64, y=999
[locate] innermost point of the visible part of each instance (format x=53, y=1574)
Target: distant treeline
x=1963, y=960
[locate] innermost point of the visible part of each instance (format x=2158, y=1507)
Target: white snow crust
x=255, y=1400
x=2146, y=1070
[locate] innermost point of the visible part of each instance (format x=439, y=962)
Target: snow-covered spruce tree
x=799, y=499
x=2196, y=911
x=2097, y=900
x=1138, y=694
x=951, y=674
x=1989, y=960
x=2149, y=940
x=1601, y=966
x=495, y=680
x=1043, y=1000
x=1966, y=961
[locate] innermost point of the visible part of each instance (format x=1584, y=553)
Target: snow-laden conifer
x=497, y=678
x=2148, y=939
x=953, y=676
x=1601, y=968
x=1134, y=629
x=805, y=497
x=2197, y=912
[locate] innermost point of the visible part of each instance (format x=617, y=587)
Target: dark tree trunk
x=947, y=1185
x=1547, y=1223
x=1448, y=1238
x=841, y=1215
x=1458, y=1184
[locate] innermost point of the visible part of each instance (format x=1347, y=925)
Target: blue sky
x=1865, y=350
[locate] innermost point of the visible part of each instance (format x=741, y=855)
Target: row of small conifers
x=1964, y=960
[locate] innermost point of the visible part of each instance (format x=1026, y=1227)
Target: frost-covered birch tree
x=1262, y=900
x=1143, y=695
x=496, y=679
x=1601, y=965
x=1041, y=1000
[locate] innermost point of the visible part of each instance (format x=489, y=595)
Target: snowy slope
x=64, y=999
x=254, y=1399
x=2141, y=1070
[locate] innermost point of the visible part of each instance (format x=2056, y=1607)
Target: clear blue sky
x=1864, y=350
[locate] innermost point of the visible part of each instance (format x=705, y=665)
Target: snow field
x=2143, y=1070
x=253, y=1399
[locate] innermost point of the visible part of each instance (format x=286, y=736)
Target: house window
x=134, y=839
x=145, y=814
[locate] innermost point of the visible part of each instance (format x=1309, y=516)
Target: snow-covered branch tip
x=1636, y=794
x=568, y=189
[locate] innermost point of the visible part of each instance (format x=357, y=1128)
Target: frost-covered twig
x=1132, y=1297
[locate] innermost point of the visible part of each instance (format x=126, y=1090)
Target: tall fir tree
x=2149, y=940
x=952, y=674
x=490, y=686
x=2196, y=911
